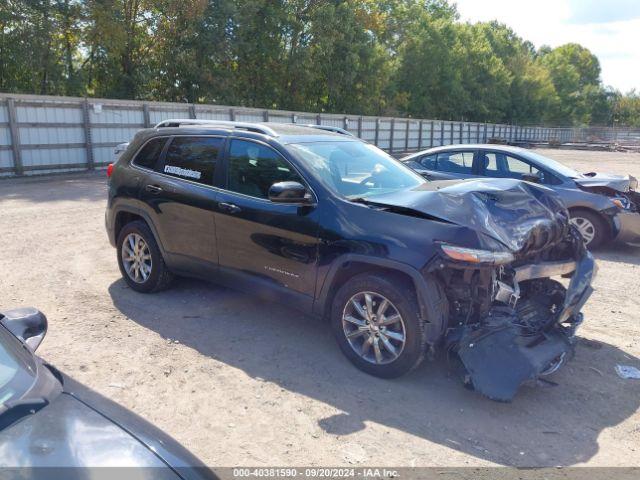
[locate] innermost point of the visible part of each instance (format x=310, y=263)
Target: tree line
x=383, y=57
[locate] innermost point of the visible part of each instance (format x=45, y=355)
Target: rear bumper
x=628, y=224
x=109, y=227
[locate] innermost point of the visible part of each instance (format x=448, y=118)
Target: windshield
x=17, y=373
x=553, y=165
x=356, y=169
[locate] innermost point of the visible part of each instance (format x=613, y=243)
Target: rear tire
x=387, y=339
x=140, y=260
x=591, y=226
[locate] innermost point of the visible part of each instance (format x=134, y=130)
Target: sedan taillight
x=109, y=170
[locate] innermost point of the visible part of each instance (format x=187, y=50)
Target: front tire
x=140, y=260
x=591, y=226
x=377, y=326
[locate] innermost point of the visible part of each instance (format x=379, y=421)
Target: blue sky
x=609, y=28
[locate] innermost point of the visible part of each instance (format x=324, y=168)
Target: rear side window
x=193, y=158
x=456, y=162
x=150, y=154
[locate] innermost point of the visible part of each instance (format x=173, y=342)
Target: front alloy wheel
x=377, y=324
x=374, y=328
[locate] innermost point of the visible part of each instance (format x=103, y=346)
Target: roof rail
x=185, y=122
x=328, y=128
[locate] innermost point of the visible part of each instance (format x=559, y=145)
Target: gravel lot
x=243, y=382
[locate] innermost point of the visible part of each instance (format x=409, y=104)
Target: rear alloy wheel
x=590, y=226
x=376, y=323
x=140, y=259
x=136, y=258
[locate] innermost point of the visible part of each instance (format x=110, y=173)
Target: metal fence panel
x=41, y=134
x=6, y=163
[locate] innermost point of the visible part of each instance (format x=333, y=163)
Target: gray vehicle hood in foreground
x=621, y=183
x=520, y=215
x=80, y=430
x=68, y=433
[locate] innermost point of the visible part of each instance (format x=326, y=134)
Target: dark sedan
x=604, y=207
x=47, y=420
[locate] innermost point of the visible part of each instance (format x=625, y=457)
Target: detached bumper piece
x=499, y=361
x=628, y=227
x=512, y=346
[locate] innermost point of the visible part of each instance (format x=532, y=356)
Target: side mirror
x=289, y=192
x=532, y=177
x=28, y=324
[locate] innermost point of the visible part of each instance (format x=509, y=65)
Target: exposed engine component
x=513, y=323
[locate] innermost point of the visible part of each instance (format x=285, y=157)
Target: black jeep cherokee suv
x=335, y=227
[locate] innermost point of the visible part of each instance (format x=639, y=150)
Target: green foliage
x=575, y=73
x=626, y=109
x=404, y=57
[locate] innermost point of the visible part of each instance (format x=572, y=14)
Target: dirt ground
x=243, y=382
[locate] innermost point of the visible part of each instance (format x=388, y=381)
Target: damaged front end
x=623, y=193
x=509, y=321
x=497, y=297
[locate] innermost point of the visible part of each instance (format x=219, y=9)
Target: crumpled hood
x=621, y=183
x=522, y=216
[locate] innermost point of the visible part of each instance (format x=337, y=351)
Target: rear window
x=193, y=158
x=456, y=162
x=150, y=154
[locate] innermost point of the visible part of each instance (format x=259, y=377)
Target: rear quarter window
x=193, y=158
x=149, y=155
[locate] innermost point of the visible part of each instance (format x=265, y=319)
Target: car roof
x=281, y=132
x=471, y=146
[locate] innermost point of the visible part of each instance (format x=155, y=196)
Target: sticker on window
x=183, y=172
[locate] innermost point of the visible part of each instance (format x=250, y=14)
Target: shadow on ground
x=542, y=427
x=619, y=252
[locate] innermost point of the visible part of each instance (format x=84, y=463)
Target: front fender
x=431, y=299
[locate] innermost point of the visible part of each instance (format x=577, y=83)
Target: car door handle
x=229, y=207
x=153, y=188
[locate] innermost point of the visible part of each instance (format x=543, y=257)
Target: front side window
x=456, y=162
x=193, y=158
x=356, y=169
x=253, y=168
x=500, y=165
x=149, y=155
x=517, y=167
x=429, y=161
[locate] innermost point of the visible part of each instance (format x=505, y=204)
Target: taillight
x=109, y=170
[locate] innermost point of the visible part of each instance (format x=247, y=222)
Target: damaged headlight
x=472, y=255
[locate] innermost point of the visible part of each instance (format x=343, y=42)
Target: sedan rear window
x=455, y=162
